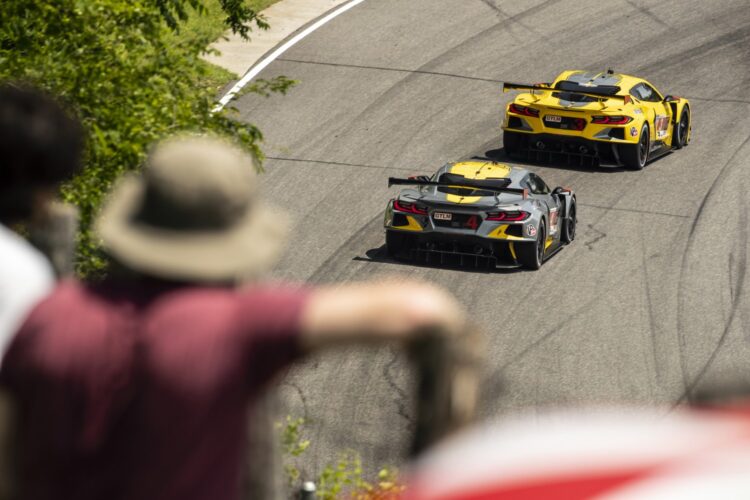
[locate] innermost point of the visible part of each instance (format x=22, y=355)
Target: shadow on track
x=501, y=156
x=379, y=255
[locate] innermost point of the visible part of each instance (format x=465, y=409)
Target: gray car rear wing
x=467, y=184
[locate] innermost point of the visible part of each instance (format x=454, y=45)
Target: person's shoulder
x=68, y=298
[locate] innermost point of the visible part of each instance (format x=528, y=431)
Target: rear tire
x=511, y=142
x=683, y=128
x=569, y=228
x=531, y=255
x=635, y=156
x=396, y=243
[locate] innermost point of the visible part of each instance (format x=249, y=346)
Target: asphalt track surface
x=649, y=301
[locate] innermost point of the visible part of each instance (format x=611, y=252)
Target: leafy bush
x=342, y=478
x=118, y=64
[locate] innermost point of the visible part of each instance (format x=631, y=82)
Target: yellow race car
x=594, y=119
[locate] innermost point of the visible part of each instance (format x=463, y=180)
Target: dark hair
x=40, y=146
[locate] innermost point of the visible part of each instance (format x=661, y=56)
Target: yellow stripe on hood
x=477, y=170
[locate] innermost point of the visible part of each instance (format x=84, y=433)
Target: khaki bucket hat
x=193, y=214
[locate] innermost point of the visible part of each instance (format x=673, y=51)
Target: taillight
x=514, y=216
x=523, y=110
x=611, y=120
x=412, y=208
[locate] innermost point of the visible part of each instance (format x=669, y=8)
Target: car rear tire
x=511, y=142
x=396, y=243
x=531, y=255
x=635, y=156
x=569, y=228
x=683, y=128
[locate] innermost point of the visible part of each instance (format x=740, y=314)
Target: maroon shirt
x=141, y=392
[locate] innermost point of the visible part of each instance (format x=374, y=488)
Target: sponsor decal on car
x=531, y=230
x=554, y=219
x=633, y=131
x=661, y=123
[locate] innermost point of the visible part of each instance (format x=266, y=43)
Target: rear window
x=595, y=89
x=572, y=87
x=458, y=179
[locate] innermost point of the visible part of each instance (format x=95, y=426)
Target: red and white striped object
x=603, y=455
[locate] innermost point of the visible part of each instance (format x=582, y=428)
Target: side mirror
x=671, y=98
x=559, y=190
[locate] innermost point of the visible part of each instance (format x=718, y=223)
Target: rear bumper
x=461, y=250
x=570, y=150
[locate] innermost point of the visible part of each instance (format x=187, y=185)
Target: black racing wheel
x=682, y=130
x=569, y=228
x=634, y=156
x=531, y=255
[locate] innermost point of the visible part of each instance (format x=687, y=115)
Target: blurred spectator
x=40, y=146
x=138, y=387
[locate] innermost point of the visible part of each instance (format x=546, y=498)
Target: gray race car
x=479, y=213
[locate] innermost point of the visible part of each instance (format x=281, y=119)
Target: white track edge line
x=253, y=72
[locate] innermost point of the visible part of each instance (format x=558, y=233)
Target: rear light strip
x=523, y=110
x=515, y=216
x=611, y=120
x=412, y=208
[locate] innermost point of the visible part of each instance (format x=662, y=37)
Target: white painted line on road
x=283, y=48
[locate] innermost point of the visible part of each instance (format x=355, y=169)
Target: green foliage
x=240, y=15
x=209, y=20
x=343, y=478
x=293, y=445
x=117, y=64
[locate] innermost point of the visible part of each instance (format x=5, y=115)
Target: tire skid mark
x=646, y=12
x=401, y=397
x=682, y=58
x=652, y=327
x=502, y=14
x=397, y=85
x=287, y=381
x=646, y=45
x=558, y=327
x=599, y=236
x=688, y=381
x=395, y=70
x=325, y=270
x=735, y=293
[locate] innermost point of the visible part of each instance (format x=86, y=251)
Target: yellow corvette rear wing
x=578, y=90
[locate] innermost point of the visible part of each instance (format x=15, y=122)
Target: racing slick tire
x=531, y=255
x=396, y=243
x=635, y=156
x=511, y=142
x=569, y=228
x=683, y=127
